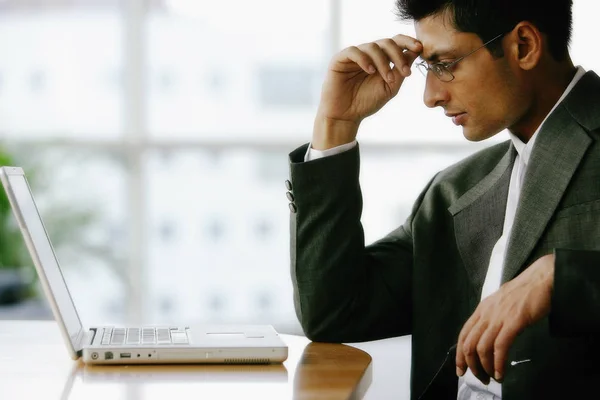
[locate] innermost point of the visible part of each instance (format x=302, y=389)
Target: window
x=160, y=130
x=288, y=87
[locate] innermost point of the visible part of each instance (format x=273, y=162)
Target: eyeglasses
x=442, y=70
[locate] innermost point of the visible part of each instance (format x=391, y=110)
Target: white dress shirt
x=469, y=387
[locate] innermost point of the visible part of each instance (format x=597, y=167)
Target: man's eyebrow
x=435, y=56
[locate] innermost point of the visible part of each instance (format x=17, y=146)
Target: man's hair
x=489, y=18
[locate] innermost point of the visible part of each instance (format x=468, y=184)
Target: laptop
x=223, y=344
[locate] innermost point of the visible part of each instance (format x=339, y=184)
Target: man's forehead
x=438, y=37
x=436, y=24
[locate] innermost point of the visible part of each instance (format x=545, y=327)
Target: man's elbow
x=319, y=324
x=321, y=333
x=320, y=327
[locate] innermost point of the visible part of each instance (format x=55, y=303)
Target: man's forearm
x=344, y=291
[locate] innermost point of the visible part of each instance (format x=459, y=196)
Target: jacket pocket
x=578, y=209
x=576, y=227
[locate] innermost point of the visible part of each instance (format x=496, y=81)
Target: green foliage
x=12, y=248
x=67, y=223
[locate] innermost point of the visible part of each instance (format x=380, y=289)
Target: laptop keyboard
x=144, y=336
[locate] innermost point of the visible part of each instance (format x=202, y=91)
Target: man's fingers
x=377, y=56
x=461, y=362
x=504, y=340
x=396, y=54
x=380, y=60
x=486, y=349
x=411, y=56
x=477, y=369
x=471, y=354
x=408, y=43
x=359, y=57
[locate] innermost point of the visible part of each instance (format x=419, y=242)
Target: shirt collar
x=524, y=149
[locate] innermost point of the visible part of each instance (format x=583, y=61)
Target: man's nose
x=435, y=94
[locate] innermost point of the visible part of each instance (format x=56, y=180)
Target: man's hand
x=359, y=82
x=485, y=338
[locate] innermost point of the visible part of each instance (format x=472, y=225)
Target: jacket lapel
x=558, y=150
x=478, y=219
x=479, y=213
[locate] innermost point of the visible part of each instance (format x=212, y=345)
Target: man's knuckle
x=468, y=350
x=500, y=345
x=482, y=348
x=364, y=58
x=388, y=42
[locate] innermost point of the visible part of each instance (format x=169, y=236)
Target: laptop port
x=108, y=355
x=125, y=355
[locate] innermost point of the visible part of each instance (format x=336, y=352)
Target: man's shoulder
x=485, y=160
x=458, y=178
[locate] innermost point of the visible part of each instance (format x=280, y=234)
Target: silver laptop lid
x=43, y=256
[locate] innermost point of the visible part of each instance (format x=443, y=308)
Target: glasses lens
x=442, y=72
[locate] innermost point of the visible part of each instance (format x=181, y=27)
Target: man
x=500, y=258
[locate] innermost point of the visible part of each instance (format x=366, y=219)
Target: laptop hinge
x=86, y=338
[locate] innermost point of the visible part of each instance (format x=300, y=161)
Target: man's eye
x=447, y=64
x=438, y=68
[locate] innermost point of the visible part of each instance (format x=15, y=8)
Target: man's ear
x=527, y=45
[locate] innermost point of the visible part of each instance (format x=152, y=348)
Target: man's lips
x=458, y=118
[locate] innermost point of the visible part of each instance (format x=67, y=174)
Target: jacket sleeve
x=344, y=291
x=575, y=304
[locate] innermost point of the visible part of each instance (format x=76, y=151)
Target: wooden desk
x=34, y=364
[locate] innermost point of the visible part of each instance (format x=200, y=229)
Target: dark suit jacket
x=425, y=277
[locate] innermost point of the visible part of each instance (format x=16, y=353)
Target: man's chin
x=476, y=135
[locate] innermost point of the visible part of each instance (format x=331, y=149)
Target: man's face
x=485, y=96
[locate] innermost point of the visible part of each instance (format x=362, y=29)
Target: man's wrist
x=329, y=133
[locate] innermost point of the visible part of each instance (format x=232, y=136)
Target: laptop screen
x=41, y=243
